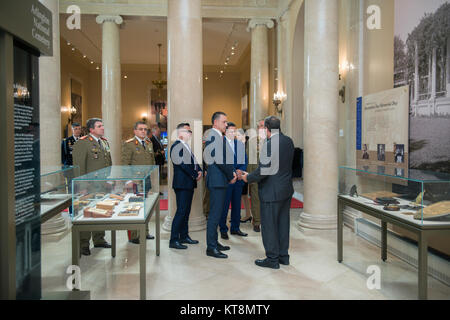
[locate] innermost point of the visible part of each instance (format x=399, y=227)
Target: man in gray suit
x=274, y=178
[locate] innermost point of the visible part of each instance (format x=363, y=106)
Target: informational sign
x=382, y=131
x=30, y=21
x=27, y=174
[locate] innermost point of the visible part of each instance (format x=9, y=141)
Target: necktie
x=100, y=144
x=143, y=144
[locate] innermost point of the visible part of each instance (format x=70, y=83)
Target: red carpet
x=295, y=204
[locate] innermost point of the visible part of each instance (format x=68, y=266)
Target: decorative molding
x=106, y=18
x=268, y=22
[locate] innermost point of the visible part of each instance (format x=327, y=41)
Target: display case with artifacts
x=115, y=193
x=419, y=196
x=56, y=190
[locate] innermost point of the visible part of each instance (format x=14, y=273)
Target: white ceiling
x=139, y=37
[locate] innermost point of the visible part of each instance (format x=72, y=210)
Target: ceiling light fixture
x=125, y=77
x=92, y=62
x=84, y=56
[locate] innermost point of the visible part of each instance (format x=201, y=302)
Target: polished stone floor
x=313, y=273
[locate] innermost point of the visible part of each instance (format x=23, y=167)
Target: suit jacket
x=220, y=171
x=240, y=158
x=276, y=186
x=66, y=151
x=185, y=167
x=157, y=148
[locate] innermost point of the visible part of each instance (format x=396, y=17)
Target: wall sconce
x=342, y=94
x=278, y=99
x=144, y=117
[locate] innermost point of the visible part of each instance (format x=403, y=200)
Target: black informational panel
x=27, y=173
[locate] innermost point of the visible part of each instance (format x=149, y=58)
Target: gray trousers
x=275, y=225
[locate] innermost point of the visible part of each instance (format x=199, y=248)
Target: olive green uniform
x=134, y=154
x=91, y=155
x=253, y=187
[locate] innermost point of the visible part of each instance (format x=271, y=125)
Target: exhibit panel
x=119, y=193
x=418, y=196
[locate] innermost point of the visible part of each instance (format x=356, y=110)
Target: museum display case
x=418, y=196
x=116, y=193
x=56, y=192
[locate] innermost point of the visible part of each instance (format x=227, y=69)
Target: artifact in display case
x=416, y=195
x=56, y=189
x=115, y=193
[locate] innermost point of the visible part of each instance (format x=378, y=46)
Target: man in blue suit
x=234, y=191
x=219, y=158
x=186, y=173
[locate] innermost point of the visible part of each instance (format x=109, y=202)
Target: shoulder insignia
x=129, y=140
x=103, y=138
x=82, y=138
x=136, y=142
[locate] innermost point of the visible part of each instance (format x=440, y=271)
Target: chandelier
x=160, y=83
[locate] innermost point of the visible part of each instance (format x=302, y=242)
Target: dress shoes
x=135, y=241
x=249, y=219
x=177, y=245
x=222, y=248
x=85, y=251
x=149, y=237
x=257, y=228
x=102, y=245
x=266, y=263
x=284, y=261
x=188, y=240
x=215, y=253
x=239, y=233
x=224, y=235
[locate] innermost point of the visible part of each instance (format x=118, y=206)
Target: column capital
x=260, y=21
x=106, y=18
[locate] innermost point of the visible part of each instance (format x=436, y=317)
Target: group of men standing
x=225, y=172
x=92, y=152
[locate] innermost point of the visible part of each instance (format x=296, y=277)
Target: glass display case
x=56, y=192
x=115, y=193
x=421, y=197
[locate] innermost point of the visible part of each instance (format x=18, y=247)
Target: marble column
x=320, y=115
x=448, y=67
x=185, y=92
x=259, y=73
x=50, y=99
x=111, y=84
x=50, y=115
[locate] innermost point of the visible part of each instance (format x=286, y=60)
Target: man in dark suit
x=274, y=178
x=67, y=145
x=219, y=159
x=234, y=191
x=186, y=173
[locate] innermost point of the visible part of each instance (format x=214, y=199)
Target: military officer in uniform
x=92, y=153
x=138, y=151
x=67, y=145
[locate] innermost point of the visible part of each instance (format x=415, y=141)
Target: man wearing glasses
x=186, y=173
x=138, y=151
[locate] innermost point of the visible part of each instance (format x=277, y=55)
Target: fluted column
x=416, y=73
x=50, y=98
x=259, y=74
x=111, y=84
x=185, y=91
x=320, y=115
x=448, y=66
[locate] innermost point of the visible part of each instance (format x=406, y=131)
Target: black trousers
x=181, y=219
x=216, y=203
x=275, y=224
